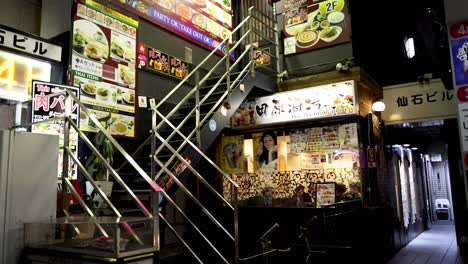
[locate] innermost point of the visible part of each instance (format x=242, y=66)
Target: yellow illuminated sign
x=16, y=74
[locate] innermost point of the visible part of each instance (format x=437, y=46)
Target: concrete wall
x=24, y=15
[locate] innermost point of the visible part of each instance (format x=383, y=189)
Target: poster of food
x=45, y=107
x=103, y=65
x=348, y=136
x=324, y=194
x=313, y=24
x=179, y=68
x=331, y=137
x=298, y=141
x=314, y=139
x=330, y=100
x=205, y=22
x=244, y=115
x=232, y=154
x=262, y=57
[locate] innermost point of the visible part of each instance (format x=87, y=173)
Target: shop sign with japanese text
x=323, y=101
x=414, y=102
x=160, y=62
x=28, y=44
x=45, y=106
x=48, y=102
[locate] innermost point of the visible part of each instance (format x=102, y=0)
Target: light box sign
x=414, y=102
x=323, y=101
x=16, y=73
x=313, y=24
x=28, y=44
x=205, y=22
x=160, y=62
x=104, y=65
x=46, y=106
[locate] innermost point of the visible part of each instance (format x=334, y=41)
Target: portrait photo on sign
x=265, y=146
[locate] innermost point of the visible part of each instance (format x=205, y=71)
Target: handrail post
x=251, y=40
x=228, y=76
x=65, y=163
x=153, y=142
x=156, y=233
x=277, y=53
x=198, y=107
x=154, y=194
x=236, y=223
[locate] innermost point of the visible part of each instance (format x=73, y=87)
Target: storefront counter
x=336, y=234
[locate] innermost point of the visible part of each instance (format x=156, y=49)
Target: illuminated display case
x=304, y=157
x=101, y=236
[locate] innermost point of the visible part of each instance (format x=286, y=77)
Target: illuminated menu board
x=103, y=65
x=205, y=22
x=313, y=24
x=16, y=73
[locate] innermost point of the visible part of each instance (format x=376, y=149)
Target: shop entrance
x=419, y=175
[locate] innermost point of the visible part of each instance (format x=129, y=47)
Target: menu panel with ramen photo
x=314, y=24
x=103, y=65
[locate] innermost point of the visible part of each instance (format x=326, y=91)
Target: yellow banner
x=331, y=6
x=106, y=10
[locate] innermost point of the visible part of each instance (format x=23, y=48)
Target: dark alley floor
x=437, y=245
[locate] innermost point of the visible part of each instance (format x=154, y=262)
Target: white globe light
x=378, y=106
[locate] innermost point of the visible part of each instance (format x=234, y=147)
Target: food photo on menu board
x=103, y=65
x=315, y=24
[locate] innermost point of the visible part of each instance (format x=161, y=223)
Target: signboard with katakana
x=415, y=102
x=11, y=39
x=47, y=105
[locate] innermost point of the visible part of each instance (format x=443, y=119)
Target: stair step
x=135, y=191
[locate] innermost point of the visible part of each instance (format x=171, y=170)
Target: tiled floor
x=437, y=245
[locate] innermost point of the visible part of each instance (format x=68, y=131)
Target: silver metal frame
x=248, y=28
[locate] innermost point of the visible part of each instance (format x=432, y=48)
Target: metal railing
x=192, y=140
x=159, y=142
x=242, y=64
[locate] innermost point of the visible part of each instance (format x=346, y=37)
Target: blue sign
x=460, y=60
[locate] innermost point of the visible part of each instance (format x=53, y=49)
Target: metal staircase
x=180, y=138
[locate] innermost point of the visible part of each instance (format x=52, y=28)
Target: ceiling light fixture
x=409, y=47
x=378, y=106
x=414, y=148
x=406, y=145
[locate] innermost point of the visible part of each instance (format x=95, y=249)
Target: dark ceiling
x=379, y=31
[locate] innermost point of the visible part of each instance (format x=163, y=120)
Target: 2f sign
x=459, y=30
x=331, y=6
